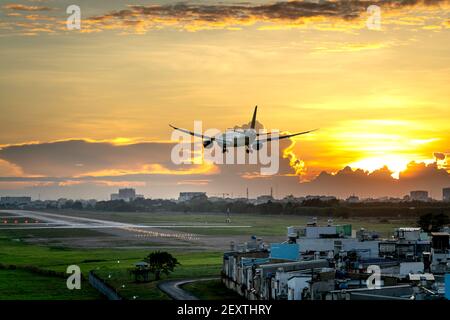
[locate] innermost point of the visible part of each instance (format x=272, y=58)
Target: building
x=352, y=199
x=419, y=195
x=440, y=252
x=407, y=244
x=15, y=200
x=264, y=199
x=126, y=194
x=188, y=196
x=446, y=194
x=297, y=269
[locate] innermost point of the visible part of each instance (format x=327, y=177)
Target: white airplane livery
x=248, y=138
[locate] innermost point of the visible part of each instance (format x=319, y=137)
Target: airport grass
x=258, y=224
x=211, y=290
x=104, y=262
x=192, y=265
x=25, y=285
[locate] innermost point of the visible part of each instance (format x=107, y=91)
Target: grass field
x=105, y=262
x=260, y=225
x=25, y=285
x=211, y=290
x=193, y=265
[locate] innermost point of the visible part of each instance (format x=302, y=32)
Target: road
x=173, y=288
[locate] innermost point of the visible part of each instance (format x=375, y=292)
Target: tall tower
x=271, y=192
x=247, y=193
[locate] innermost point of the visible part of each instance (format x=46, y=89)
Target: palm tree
x=161, y=262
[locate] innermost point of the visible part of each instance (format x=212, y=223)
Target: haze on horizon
x=85, y=112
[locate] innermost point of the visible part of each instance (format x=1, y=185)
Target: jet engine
x=257, y=145
x=207, y=144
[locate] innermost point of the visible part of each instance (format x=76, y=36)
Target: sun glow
x=395, y=163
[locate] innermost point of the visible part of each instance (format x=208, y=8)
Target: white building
x=296, y=285
x=126, y=194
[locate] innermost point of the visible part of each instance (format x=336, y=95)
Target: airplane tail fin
x=254, y=118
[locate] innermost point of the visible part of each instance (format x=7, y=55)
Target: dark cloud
x=289, y=11
x=192, y=17
x=77, y=157
x=100, y=167
x=380, y=182
x=439, y=155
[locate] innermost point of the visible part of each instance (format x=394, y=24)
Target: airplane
x=240, y=137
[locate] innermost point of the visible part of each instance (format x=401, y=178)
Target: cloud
x=91, y=158
x=337, y=15
x=439, y=155
x=23, y=7
x=88, y=168
x=379, y=183
x=94, y=169
x=211, y=16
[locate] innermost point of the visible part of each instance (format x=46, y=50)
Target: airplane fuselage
x=236, y=138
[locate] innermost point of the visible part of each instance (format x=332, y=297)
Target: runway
x=46, y=220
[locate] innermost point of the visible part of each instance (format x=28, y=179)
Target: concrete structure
x=126, y=194
x=400, y=292
x=446, y=194
x=411, y=267
x=440, y=253
x=334, y=266
x=264, y=199
x=189, y=196
x=297, y=285
x=331, y=239
x=419, y=195
x=15, y=200
x=352, y=199
x=285, y=251
x=408, y=244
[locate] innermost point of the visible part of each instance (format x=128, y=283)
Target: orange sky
x=379, y=97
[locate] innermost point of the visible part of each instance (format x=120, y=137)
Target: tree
x=433, y=222
x=161, y=262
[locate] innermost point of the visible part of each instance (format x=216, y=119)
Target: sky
x=86, y=111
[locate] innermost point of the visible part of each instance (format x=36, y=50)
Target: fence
x=103, y=287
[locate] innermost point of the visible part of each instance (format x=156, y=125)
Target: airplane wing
x=192, y=133
x=269, y=138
